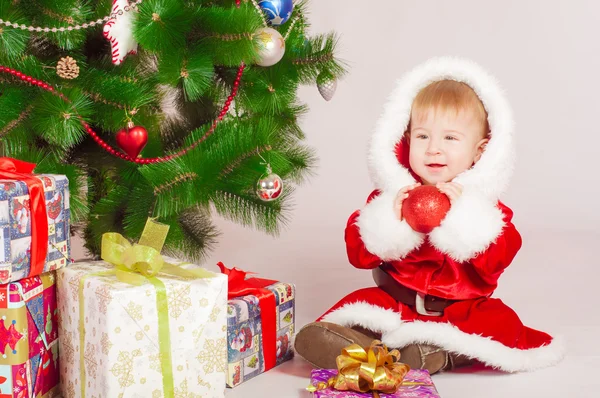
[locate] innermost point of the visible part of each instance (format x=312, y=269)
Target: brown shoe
x=320, y=343
x=432, y=358
x=458, y=361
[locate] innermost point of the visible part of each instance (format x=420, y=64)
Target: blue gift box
x=245, y=353
x=15, y=226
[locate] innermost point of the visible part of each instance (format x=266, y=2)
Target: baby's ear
x=480, y=149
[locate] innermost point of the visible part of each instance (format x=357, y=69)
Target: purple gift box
x=427, y=390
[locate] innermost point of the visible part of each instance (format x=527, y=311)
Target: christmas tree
x=169, y=109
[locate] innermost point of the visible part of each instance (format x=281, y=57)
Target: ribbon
x=136, y=265
x=375, y=370
x=13, y=169
x=239, y=285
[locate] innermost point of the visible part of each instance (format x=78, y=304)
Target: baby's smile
x=435, y=166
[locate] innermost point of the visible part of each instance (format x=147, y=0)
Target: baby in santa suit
x=447, y=124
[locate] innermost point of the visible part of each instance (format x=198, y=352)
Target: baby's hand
x=452, y=190
x=402, y=194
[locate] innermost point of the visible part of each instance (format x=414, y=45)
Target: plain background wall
x=546, y=56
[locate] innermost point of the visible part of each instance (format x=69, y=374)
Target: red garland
x=113, y=151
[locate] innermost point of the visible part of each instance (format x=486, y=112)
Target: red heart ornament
x=132, y=140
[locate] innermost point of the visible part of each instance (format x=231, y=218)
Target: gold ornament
x=67, y=68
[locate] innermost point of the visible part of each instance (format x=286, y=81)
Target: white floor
x=553, y=285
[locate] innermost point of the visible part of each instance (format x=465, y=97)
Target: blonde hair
x=450, y=95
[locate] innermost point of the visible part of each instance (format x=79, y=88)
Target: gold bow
x=376, y=370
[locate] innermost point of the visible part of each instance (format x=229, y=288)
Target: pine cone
x=67, y=68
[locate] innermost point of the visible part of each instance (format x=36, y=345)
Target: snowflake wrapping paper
x=15, y=226
x=121, y=354
x=28, y=338
x=245, y=344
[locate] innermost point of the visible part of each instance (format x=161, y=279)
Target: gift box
x=34, y=228
x=416, y=384
x=28, y=338
x=254, y=339
x=165, y=337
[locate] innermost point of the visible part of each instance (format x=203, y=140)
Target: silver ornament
x=271, y=46
x=269, y=187
x=326, y=85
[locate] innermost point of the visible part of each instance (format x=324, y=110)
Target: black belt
x=407, y=295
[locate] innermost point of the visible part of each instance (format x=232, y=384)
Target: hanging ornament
x=269, y=186
x=67, y=68
x=132, y=139
x=119, y=32
x=278, y=11
x=327, y=85
x=271, y=46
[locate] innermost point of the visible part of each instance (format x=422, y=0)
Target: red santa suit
x=460, y=260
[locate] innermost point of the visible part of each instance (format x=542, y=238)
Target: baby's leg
x=320, y=343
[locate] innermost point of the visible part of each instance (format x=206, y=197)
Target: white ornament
x=119, y=32
x=271, y=46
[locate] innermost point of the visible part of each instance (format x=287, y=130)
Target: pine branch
x=162, y=25
x=14, y=123
x=193, y=236
x=57, y=121
x=236, y=163
x=315, y=56
x=57, y=14
x=227, y=33
x=192, y=70
x=12, y=41
x=268, y=91
x=15, y=107
x=248, y=210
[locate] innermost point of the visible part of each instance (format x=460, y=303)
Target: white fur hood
x=490, y=176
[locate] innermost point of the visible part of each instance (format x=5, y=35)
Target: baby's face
x=443, y=145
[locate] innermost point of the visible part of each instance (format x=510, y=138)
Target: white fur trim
x=383, y=233
x=367, y=315
x=492, y=172
x=486, y=350
x=398, y=334
x=471, y=225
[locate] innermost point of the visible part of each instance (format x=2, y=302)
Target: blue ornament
x=277, y=11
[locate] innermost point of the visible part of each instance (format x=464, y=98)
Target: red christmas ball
x=425, y=208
